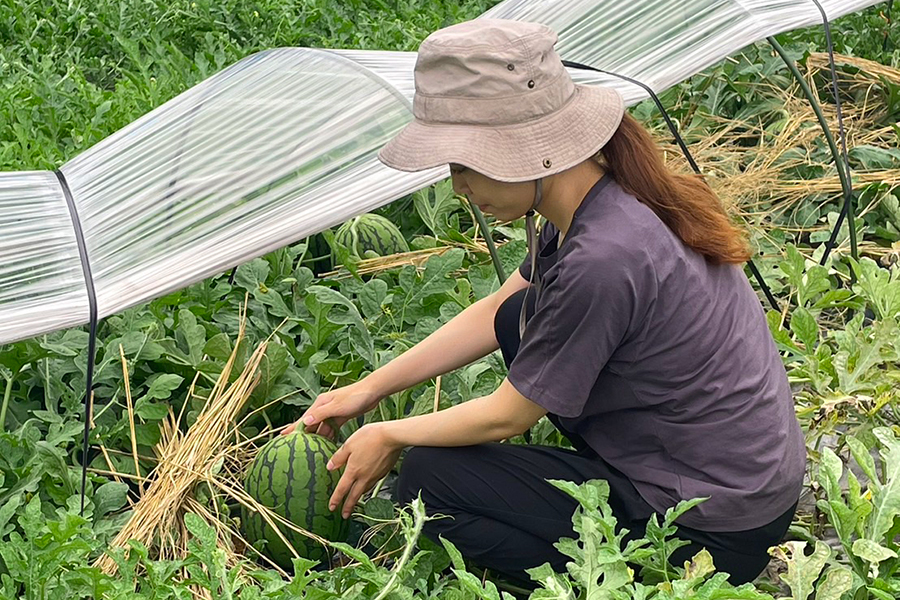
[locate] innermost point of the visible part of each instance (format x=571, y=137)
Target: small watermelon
x=289, y=476
x=371, y=235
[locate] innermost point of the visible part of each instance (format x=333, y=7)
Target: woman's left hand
x=368, y=455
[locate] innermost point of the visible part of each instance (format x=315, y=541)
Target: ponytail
x=685, y=203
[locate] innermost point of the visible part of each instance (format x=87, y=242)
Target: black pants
x=503, y=515
x=506, y=517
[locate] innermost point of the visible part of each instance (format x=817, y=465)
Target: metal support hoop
x=92, y=339
x=841, y=166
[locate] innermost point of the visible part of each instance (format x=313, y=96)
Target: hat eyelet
x=511, y=67
x=530, y=83
x=547, y=163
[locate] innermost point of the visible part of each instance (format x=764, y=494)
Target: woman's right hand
x=332, y=409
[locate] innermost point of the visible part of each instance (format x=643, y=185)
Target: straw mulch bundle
x=211, y=454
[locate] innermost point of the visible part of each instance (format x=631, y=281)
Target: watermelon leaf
x=434, y=205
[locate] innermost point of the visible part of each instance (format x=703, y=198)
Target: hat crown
x=489, y=72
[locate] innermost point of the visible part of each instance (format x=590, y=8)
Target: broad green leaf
x=162, y=386
x=830, y=469
x=151, y=411
x=379, y=508
x=488, y=591
x=218, y=346
x=273, y=365
x=356, y=554
x=201, y=530
x=804, y=326
x=252, y=275
x=555, y=586
x=317, y=326
x=880, y=594
x=886, y=500
x=511, y=254
x=814, y=282
x=456, y=558
x=109, y=497
x=484, y=280
x=793, y=266
x=190, y=336
x=8, y=510
x=872, y=552
x=436, y=279
x=359, y=334
x=699, y=566
x=434, y=205
x=371, y=296
x=880, y=287
x=802, y=570
x=864, y=459
x=852, y=369
x=834, y=583
x=874, y=158
x=679, y=509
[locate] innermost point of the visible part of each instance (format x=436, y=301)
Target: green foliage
x=864, y=518
x=74, y=72
x=600, y=564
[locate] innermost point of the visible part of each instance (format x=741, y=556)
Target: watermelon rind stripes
x=289, y=476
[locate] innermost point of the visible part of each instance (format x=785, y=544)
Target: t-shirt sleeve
x=584, y=313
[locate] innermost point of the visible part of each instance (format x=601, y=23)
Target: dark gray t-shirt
x=664, y=364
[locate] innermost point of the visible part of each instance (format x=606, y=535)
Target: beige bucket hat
x=494, y=96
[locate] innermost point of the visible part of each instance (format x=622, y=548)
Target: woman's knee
x=417, y=471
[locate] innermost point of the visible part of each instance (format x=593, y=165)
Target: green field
x=71, y=73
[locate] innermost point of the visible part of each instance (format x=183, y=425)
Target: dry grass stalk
x=416, y=258
x=130, y=406
x=437, y=393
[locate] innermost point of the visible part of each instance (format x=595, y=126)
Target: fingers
x=347, y=481
x=343, y=486
x=324, y=429
x=349, y=490
x=339, y=458
x=359, y=488
x=320, y=410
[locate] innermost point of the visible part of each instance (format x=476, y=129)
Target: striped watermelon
x=371, y=235
x=289, y=476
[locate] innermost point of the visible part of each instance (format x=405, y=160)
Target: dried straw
x=752, y=164
x=210, y=454
x=416, y=258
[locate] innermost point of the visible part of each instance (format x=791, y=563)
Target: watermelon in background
x=371, y=235
x=289, y=476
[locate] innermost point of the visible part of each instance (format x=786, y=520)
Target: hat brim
x=511, y=153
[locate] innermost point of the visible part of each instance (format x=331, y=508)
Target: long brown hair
x=685, y=203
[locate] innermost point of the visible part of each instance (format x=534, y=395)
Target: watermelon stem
x=412, y=535
x=266, y=419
